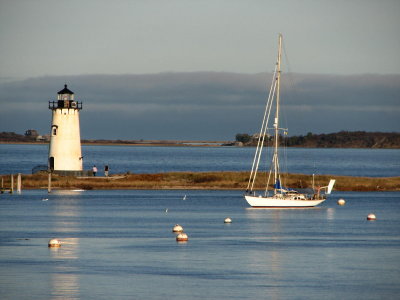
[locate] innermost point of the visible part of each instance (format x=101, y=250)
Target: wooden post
x=2, y=185
x=49, y=183
x=12, y=184
x=19, y=183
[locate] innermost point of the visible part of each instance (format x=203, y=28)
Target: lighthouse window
x=54, y=130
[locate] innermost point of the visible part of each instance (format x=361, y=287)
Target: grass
x=200, y=180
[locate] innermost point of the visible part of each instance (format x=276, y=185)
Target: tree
x=243, y=137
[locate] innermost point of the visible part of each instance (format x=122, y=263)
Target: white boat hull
x=265, y=202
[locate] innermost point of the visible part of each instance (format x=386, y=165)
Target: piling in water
x=12, y=184
x=19, y=183
x=49, y=183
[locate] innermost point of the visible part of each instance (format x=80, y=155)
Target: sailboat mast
x=276, y=123
x=281, y=197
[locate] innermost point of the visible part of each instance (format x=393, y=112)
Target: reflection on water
x=67, y=192
x=68, y=250
x=119, y=245
x=330, y=214
x=64, y=279
x=282, y=208
x=268, y=259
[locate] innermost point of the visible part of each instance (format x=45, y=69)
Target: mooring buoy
x=182, y=237
x=341, y=201
x=54, y=243
x=177, y=228
x=371, y=217
x=228, y=220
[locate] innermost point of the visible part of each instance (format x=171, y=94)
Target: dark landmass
x=12, y=137
x=199, y=181
x=342, y=139
x=347, y=139
x=154, y=142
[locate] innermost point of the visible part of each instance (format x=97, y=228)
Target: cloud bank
x=204, y=105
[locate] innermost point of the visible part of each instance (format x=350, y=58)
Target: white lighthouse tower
x=65, y=155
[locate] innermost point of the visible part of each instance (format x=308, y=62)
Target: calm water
x=119, y=245
x=122, y=159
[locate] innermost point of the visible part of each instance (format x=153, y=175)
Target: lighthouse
x=65, y=154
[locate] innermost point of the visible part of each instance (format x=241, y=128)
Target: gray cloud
x=204, y=105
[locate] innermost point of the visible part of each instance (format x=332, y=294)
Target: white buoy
x=371, y=217
x=54, y=243
x=227, y=220
x=182, y=237
x=341, y=202
x=177, y=228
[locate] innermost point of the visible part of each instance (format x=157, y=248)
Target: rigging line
x=291, y=82
x=290, y=85
x=269, y=178
x=258, y=143
x=266, y=155
x=291, y=93
x=264, y=132
x=289, y=72
x=264, y=124
x=285, y=131
x=285, y=149
x=276, y=122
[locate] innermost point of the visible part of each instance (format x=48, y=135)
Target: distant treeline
x=342, y=139
x=10, y=137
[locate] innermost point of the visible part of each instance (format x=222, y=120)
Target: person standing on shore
x=106, y=170
x=94, y=170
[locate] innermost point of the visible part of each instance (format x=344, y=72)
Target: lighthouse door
x=51, y=163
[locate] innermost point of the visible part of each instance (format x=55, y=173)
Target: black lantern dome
x=65, y=99
x=65, y=90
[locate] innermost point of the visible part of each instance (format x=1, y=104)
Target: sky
x=199, y=69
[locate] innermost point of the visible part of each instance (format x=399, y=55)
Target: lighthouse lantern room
x=65, y=155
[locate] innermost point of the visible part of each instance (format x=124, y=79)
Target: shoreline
x=197, y=181
x=186, y=144
x=139, y=144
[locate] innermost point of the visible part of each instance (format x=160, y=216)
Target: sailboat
x=279, y=196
